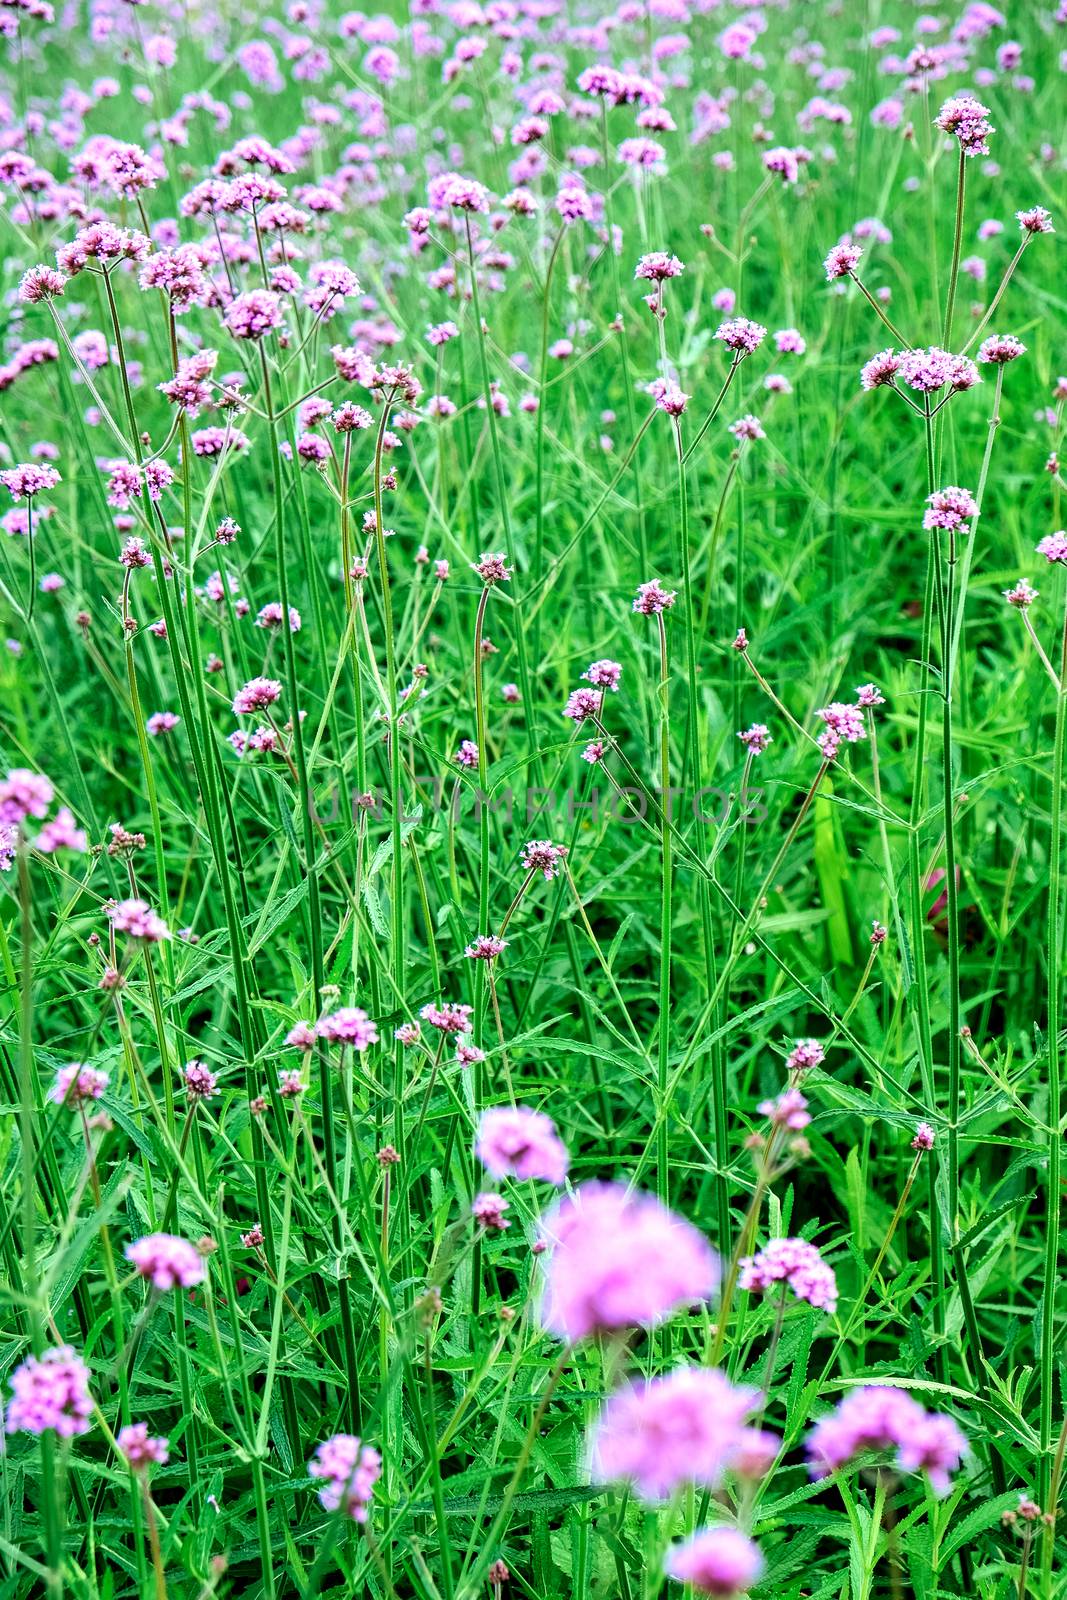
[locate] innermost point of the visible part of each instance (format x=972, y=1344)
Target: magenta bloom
x=620, y=1259
x=880, y=370
x=200, y=1082
x=686, y=1427
x=843, y=259
x=541, y=855
x=1053, y=547
x=651, y=598
x=24, y=794
x=488, y=1209
x=76, y=1083
x=256, y=695
x=349, y=1025
x=1000, y=348
x=29, y=479
x=50, y=1393
x=140, y=1448
x=950, y=508
x=881, y=1418
x=657, y=266
x=514, y=1141
x=486, y=947
x=717, y=1561
x=166, y=1261
x=1036, y=220
x=924, y=1137
x=253, y=315
x=740, y=335
x=348, y=1470
x=967, y=120
x=491, y=569
x=137, y=918
x=756, y=738
x=796, y=1263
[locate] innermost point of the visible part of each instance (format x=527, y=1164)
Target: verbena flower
x=514, y=1141
x=347, y=1470
x=684, y=1428
x=620, y=1259
x=166, y=1261
x=50, y=1393
x=716, y=1561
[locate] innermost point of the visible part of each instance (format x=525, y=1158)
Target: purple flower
x=24, y=794
x=756, y=738
x=253, y=315
x=517, y=1142
x=686, y=1427
x=541, y=855
x=137, y=918
x=740, y=335
x=620, y=1259
x=348, y=1469
x=1053, y=547
x=651, y=599
x=967, y=119
x=796, y=1263
x=488, y=1210
x=657, y=266
x=140, y=1448
x=349, y=1025
x=76, y=1083
x=843, y=260
x=200, y=1082
x=50, y=1392
x=881, y=1418
x=880, y=370
x=29, y=479
x=1000, y=348
x=1036, y=220
x=950, y=508
x=166, y=1261
x=717, y=1561
x=256, y=695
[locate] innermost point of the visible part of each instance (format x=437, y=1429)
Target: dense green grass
x=650, y=993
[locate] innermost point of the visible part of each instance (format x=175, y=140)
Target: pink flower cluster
x=794, y=1262
x=514, y=1141
x=719, y=1561
x=881, y=1418
x=50, y=1392
x=348, y=1469
x=620, y=1259
x=686, y=1427
x=166, y=1261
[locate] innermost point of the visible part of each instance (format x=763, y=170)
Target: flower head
x=140, y=1448
x=514, y=1141
x=1036, y=220
x=740, y=335
x=717, y=1561
x=166, y=1261
x=843, y=260
x=76, y=1083
x=136, y=918
x=651, y=599
x=50, y=1392
x=880, y=1418
x=620, y=1259
x=685, y=1427
x=794, y=1262
x=347, y=1469
x=541, y=855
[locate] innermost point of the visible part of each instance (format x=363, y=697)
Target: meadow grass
x=514, y=360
